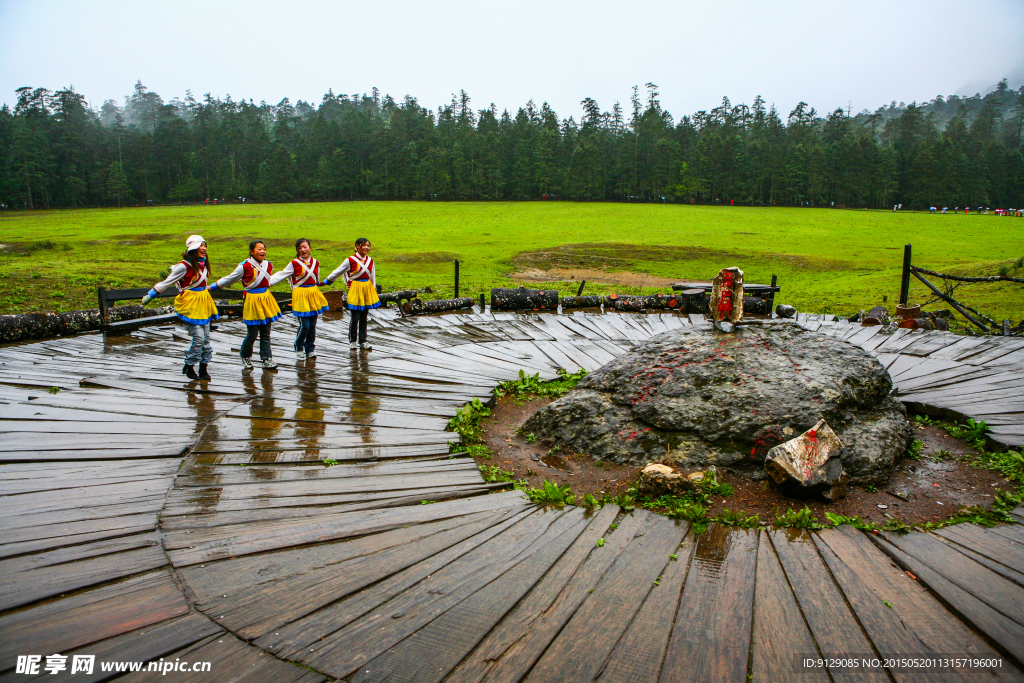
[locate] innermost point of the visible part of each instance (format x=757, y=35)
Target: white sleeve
x=177, y=272
x=373, y=274
x=231, y=278
x=283, y=275
x=343, y=268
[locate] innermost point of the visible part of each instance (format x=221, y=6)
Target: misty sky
x=825, y=52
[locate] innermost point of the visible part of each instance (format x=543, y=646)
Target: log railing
x=976, y=317
x=107, y=297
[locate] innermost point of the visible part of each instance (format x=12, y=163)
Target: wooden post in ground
x=771, y=296
x=101, y=293
x=456, y=279
x=905, y=282
x=579, y=292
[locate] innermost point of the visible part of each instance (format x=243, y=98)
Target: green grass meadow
x=833, y=261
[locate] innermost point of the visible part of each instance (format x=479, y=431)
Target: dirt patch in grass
x=30, y=248
x=605, y=256
x=594, y=276
x=424, y=257
x=144, y=238
x=930, y=489
x=630, y=257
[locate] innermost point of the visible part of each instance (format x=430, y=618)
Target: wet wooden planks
x=343, y=569
x=982, y=598
x=90, y=616
x=711, y=639
x=956, y=377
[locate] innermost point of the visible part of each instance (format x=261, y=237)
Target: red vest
x=192, y=275
x=354, y=268
x=299, y=276
x=248, y=273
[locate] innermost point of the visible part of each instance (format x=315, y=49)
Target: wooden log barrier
x=625, y=302
x=878, y=315
x=21, y=326
x=785, y=311
x=695, y=301
x=581, y=301
x=397, y=297
x=755, y=305
x=917, y=324
x=523, y=298
x=414, y=306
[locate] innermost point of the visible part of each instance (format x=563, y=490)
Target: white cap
x=194, y=242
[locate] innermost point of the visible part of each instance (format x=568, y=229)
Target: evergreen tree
x=117, y=182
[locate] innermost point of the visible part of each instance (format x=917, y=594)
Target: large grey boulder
x=696, y=397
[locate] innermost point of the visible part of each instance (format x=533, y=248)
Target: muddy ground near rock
x=925, y=490
x=532, y=462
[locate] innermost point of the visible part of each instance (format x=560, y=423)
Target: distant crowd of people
x=980, y=210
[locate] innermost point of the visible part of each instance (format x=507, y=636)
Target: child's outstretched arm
x=229, y=279
x=283, y=275
x=177, y=272
x=339, y=271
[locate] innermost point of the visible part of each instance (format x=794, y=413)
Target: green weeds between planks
x=914, y=449
x=531, y=386
x=466, y=423
x=551, y=494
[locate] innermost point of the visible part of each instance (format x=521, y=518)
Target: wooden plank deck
x=145, y=517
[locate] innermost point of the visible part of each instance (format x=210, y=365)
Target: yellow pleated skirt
x=260, y=308
x=362, y=296
x=308, y=301
x=196, y=308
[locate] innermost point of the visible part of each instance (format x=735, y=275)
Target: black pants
x=250, y=338
x=306, y=337
x=357, y=325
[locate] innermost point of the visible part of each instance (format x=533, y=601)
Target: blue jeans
x=307, y=333
x=251, y=332
x=200, y=351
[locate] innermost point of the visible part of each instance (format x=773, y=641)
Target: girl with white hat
x=194, y=305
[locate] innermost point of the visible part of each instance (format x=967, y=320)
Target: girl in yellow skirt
x=260, y=308
x=361, y=277
x=194, y=305
x=308, y=302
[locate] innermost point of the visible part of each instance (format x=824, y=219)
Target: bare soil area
x=925, y=490
x=623, y=277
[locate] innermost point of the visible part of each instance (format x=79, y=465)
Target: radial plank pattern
x=145, y=518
